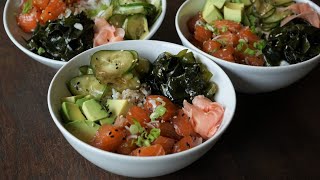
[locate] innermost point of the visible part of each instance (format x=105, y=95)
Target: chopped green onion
x=27, y=6
x=158, y=112
x=134, y=129
x=41, y=51
x=221, y=41
x=146, y=143
x=140, y=128
x=212, y=29
x=249, y=52
x=224, y=29
x=155, y=132
x=260, y=44
x=240, y=45
x=242, y=41
x=253, y=29
x=139, y=141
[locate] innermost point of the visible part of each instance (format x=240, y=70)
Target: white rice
x=136, y=97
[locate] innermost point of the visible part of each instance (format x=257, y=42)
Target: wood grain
x=273, y=135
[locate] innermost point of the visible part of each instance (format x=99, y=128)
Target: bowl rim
x=127, y=157
x=154, y=28
x=237, y=65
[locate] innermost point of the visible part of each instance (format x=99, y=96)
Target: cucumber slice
x=86, y=85
x=261, y=8
x=136, y=27
x=270, y=26
x=117, y=20
x=156, y=3
x=138, y=8
x=125, y=2
x=83, y=70
x=269, y=13
x=281, y=2
x=277, y=16
x=109, y=65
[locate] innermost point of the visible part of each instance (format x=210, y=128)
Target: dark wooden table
x=272, y=136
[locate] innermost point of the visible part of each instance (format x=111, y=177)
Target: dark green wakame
x=61, y=39
x=180, y=77
x=295, y=42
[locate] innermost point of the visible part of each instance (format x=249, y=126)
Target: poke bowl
x=53, y=31
x=261, y=46
x=143, y=138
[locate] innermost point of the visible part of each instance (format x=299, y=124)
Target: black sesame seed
x=124, y=138
x=110, y=133
x=116, y=130
x=77, y=88
x=117, y=67
x=139, y=151
x=78, y=83
x=188, y=145
x=112, y=136
x=182, y=114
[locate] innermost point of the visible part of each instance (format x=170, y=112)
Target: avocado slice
x=71, y=99
x=80, y=102
x=108, y=120
x=118, y=106
x=71, y=112
x=232, y=14
x=83, y=130
x=235, y=5
x=93, y=110
x=217, y=3
x=115, y=108
x=246, y=2
x=210, y=12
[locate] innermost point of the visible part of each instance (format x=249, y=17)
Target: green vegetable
x=61, y=40
x=249, y=51
x=134, y=129
x=179, y=77
x=158, y=112
x=27, y=6
x=295, y=42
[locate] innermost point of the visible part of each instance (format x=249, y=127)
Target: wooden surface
x=272, y=136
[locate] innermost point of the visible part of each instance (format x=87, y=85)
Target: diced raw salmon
x=182, y=124
x=153, y=150
x=166, y=143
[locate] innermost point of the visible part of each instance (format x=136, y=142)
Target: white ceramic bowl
x=129, y=165
x=246, y=79
x=16, y=34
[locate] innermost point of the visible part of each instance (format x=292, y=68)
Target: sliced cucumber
x=83, y=70
x=142, y=67
x=125, y=2
x=117, y=20
x=136, y=27
x=277, y=16
x=86, y=85
x=269, y=13
x=128, y=81
x=108, y=65
x=156, y=3
x=270, y=26
x=261, y=8
x=281, y=2
x=139, y=8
